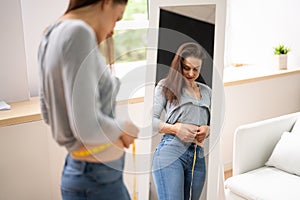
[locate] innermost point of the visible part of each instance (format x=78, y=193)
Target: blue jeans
x=172, y=169
x=93, y=181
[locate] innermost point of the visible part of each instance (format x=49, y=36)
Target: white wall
x=13, y=71
x=255, y=27
x=37, y=15
x=23, y=22
x=256, y=101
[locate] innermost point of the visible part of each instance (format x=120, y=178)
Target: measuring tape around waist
x=88, y=152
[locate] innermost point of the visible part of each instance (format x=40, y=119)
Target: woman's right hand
x=185, y=132
x=129, y=133
x=114, y=151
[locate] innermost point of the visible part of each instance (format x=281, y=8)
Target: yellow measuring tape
x=193, y=169
x=89, y=152
x=194, y=160
x=134, y=165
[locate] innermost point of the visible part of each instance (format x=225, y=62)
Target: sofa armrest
x=253, y=143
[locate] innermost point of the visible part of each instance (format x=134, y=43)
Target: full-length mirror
x=186, y=83
x=184, y=63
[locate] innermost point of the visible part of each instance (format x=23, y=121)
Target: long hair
x=75, y=4
x=108, y=43
x=174, y=82
x=107, y=49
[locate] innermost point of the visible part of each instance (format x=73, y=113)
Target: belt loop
x=83, y=166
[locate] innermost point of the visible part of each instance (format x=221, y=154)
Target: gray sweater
x=77, y=91
x=189, y=110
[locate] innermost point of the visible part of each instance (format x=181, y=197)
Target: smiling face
x=191, y=67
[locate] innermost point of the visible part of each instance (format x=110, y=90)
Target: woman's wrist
x=168, y=128
x=175, y=128
x=208, y=132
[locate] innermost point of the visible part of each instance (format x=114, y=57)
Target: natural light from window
x=130, y=39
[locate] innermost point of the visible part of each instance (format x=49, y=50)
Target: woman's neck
x=192, y=85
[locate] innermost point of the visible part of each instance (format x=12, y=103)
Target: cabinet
x=30, y=162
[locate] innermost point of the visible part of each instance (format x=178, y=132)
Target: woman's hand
x=185, y=132
x=130, y=132
x=202, y=133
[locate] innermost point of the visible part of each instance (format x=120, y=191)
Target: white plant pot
x=282, y=61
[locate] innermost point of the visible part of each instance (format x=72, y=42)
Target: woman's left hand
x=202, y=133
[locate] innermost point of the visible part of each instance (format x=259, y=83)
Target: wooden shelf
x=28, y=111
x=248, y=74
x=21, y=112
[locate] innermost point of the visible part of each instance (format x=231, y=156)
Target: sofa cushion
x=266, y=183
x=286, y=154
x=232, y=196
x=296, y=127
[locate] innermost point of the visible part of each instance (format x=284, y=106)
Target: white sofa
x=252, y=179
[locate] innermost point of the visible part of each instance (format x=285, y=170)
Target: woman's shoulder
x=203, y=86
x=72, y=27
x=74, y=36
x=161, y=82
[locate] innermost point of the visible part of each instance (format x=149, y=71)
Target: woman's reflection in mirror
x=179, y=168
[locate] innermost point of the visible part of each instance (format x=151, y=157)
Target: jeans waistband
x=84, y=166
x=76, y=164
x=187, y=144
x=166, y=136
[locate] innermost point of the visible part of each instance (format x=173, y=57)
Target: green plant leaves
x=281, y=49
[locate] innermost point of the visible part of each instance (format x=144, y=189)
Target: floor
x=227, y=174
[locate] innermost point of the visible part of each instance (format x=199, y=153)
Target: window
x=130, y=39
x=130, y=35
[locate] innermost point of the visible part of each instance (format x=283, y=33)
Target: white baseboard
x=227, y=166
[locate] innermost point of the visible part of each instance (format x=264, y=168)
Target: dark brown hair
x=108, y=43
x=107, y=49
x=75, y=4
x=174, y=82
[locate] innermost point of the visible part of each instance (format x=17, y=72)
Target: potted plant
x=281, y=53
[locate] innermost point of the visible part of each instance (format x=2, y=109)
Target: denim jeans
x=172, y=169
x=93, y=181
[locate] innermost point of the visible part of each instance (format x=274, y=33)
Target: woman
x=78, y=96
x=179, y=165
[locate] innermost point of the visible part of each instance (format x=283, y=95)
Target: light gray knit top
x=189, y=110
x=77, y=91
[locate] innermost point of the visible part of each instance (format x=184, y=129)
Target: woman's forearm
x=167, y=128
x=185, y=132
